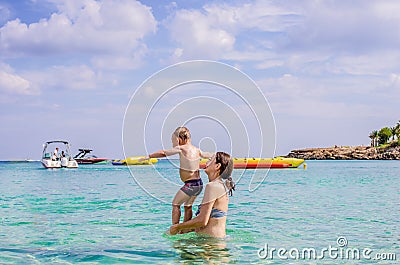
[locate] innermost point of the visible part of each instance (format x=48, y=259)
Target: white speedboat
x=58, y=159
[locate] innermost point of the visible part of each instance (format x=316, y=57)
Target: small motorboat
x=83, y=157
x=134, y=161
x=250, y=163
x=60, y=157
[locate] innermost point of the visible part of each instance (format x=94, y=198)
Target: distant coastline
x=19, y=160
x=348, y=153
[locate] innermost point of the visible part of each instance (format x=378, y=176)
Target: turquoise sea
x=97, y=214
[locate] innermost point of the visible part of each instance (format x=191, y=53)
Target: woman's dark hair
x=226, y=169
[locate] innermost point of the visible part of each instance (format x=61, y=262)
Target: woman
x=211, y=219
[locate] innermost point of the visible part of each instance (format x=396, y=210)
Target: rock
x=347, y=153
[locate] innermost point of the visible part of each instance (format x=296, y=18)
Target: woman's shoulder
x=213, y=191
x=215, y=185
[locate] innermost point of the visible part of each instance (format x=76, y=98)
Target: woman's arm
x=199, y=221
x=202, y=219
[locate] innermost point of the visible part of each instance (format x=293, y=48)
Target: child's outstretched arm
x=163, y=153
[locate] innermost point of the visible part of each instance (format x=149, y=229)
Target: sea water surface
x=97, y=214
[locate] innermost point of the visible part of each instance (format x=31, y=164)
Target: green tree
x=384, y=135
x=374, y=137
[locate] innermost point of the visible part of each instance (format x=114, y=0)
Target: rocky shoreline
x=347, y=153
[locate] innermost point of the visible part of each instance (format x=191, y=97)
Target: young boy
x=189, y=156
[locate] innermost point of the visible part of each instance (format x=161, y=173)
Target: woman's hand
x=173, y=230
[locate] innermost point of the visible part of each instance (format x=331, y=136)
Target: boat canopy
x=85, y=150
x=57, y=141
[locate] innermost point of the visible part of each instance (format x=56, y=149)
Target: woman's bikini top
x=215, y=213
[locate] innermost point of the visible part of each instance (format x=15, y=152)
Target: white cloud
x=213, y=31
x=14, y=84
x=197, y=36
x=80, y=77
x=388, y=9
x=266, y=16
x=395, y=80
x=329, y=65
x=332, y=97
x=92, y=27
x=269, y=64
x=345, y=26
x=128, y=61
x=279, y=33
x=76, y=77
x=373, y=63
x=4, y=13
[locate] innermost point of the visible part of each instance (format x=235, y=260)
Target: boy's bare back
x=190, y=157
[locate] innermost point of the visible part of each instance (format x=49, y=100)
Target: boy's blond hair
x=182, y=133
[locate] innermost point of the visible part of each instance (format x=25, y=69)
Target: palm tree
x=373, y=136
x=397, y=131
x=384, y=135
x=398, y=124
x=376, y=134
x=393, y=131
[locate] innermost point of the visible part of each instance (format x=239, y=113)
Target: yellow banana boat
x=134, y=161
x=277, y=162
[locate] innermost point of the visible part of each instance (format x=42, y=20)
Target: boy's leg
x=190, y=190
x=188, y=213
x=179, y=199
x=188, y=208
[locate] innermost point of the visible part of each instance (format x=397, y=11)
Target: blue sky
x=330, y=70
